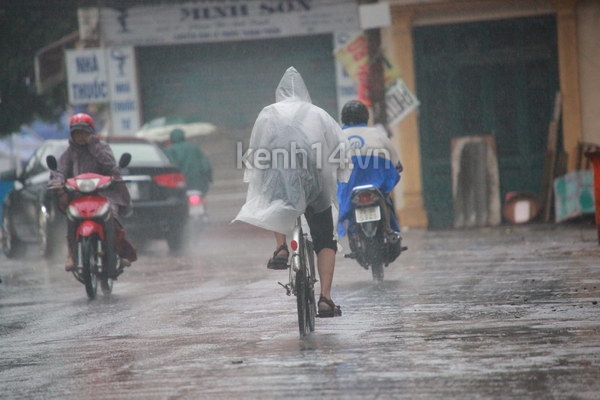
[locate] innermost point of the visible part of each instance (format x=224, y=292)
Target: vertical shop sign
x=87, y=79
x=124, y=104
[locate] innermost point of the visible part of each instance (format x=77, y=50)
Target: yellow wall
x=588, y=32
x=397, y=41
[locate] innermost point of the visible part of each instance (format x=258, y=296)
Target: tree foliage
x=26, y=26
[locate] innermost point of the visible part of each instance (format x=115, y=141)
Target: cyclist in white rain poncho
x=296, y=154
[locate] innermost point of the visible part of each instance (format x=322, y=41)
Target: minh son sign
x=226, y=20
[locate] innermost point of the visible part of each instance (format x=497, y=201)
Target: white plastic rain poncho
x=296, y=153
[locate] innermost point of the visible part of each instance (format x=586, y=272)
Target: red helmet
x=82, y=122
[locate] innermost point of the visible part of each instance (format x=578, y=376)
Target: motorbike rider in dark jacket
x=375, y=162
x=87, y=153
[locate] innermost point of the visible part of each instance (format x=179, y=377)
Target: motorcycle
x=94, y=245
x=197, y=205
x=371, y=246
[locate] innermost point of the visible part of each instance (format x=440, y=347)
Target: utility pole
x=375, y=80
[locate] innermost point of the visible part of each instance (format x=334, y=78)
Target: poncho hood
x=177, y=135
x=292, y=87
x=301, y=141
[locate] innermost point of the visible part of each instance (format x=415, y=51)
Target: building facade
x=478, y=67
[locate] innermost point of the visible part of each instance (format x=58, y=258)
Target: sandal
x=279, y=262
x=332, y=310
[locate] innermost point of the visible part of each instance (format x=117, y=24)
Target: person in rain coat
x=296, y=154
x=87, y=153
x=191, y=161
x=376, y=163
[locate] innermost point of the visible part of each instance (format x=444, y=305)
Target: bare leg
x=325, y=266
x=279, y=239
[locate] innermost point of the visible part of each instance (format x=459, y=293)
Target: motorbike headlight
x=73, y=212
x=87, y=185
x=103, y=210
x=82, y=211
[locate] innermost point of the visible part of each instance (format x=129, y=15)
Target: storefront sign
x=399, y=102
x=124, y=105
x=226, y=20
x=106, y=75
x=87, y=78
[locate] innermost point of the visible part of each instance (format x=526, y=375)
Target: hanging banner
x=346, y=87
x=354, y=57
x=224, y=20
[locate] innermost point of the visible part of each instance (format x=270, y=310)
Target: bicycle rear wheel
x=302, y=302
x=305, y=295
x=310, y=287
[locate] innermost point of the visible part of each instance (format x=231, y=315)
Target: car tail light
x=173, y=180
x=294, y=245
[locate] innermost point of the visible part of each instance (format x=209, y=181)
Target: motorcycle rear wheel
x=12, y=247
x=377, y=272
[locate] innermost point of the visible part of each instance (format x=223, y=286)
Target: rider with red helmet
x=87, y=153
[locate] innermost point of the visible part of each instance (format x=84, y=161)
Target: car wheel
x=175, y=239
x=43, y=232
x=12, y=247
x=50, y=237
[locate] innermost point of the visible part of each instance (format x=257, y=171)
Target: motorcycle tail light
x=87, y=185
x=195, y=200
x=365, y=198
x=173, y=180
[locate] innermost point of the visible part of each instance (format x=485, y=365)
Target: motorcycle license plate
x=134, y=190
x=367, y=214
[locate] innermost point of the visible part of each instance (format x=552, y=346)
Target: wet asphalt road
x=504, y=313
x=501, y=313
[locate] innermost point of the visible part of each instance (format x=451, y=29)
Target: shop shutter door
x=228, y=83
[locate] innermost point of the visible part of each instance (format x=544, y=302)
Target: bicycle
x=302, y=278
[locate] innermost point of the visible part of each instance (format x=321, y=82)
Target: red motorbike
x=93, y=227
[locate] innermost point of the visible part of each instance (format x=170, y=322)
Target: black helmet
x=354, y=112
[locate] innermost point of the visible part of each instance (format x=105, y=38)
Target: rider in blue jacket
x=375, y=162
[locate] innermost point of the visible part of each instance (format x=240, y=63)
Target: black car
x=157, y=188
x=29, y=211
x=158, y=193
